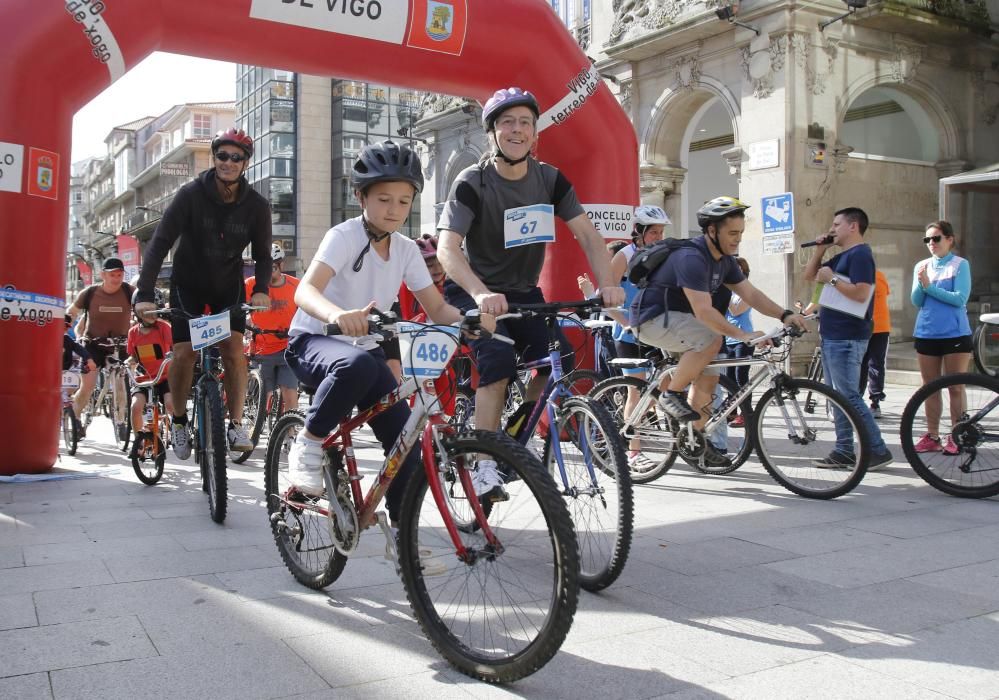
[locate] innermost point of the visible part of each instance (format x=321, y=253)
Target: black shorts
x=497, y=360
x=162, y=389
x=193, y=304
x=938, y=347
x=100, y=353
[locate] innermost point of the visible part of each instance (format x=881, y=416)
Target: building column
x=313, y=153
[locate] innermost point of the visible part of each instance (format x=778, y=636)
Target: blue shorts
x=495, y=359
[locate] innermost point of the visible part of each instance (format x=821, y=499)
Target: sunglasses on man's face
x=935, y=239
x=224, y=156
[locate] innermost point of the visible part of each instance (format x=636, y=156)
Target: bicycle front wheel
x=656, y=446
x=596, y=488
x=500, y=611
x=965, y=462
x=121, y=417
x=70, y=431
x=301, y=530
x=214, y=450
x=793, y=444
x=985, y=343
x=149, y=458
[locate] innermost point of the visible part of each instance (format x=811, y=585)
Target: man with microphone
x=844, y=336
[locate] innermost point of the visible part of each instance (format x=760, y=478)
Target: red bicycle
x=494, y=588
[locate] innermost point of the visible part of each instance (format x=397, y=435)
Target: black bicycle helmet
x=386, y=162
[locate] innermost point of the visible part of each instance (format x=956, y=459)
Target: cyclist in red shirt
x=271, y=335
x=149, y=341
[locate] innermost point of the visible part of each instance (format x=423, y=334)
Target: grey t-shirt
x=504, y=269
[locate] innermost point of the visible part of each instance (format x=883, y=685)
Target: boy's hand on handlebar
x=612, y=296
x=260, y=299
x=354, y=322
x=90, y=365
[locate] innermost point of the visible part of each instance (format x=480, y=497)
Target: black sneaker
x=879, y=460
x=876, y=409
x=675, y=404
x=836, y=460
x=713, y=457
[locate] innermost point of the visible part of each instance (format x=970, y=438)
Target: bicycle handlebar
x=134, y=376
x=782, y=332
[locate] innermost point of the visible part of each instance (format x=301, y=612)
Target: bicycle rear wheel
x=966, y=463
x=121, y=416
x=70, y=430
x=790, y=442
x=736, y=441
x=497, y=614
x=301, y=530
x=596, y=488
x=657, y=447
x=214, y=450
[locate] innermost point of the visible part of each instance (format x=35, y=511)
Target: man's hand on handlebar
x=796, y=320
x=612, y=296
x=492, y=303
x=353, y=322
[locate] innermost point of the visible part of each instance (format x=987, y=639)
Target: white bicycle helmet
x=277, y=252
x=649, y=215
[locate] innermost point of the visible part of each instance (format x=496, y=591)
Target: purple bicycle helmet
x=503, y=100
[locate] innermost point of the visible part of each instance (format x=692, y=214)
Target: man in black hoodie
x=214, y=218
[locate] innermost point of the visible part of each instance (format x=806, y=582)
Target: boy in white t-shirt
x=359, y=267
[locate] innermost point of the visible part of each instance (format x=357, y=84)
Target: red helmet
x=427, y=245
x=236, y=137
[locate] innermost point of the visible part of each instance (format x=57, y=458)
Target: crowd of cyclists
x=694, y=306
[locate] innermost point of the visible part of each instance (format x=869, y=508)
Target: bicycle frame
x=153, y=401
x=425, y=424
x=113, y=371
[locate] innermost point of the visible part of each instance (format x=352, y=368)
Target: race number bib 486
x=208, y=330
x=524, y=225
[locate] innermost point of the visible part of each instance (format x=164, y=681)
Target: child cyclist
x=359, y=267
x=149, y=340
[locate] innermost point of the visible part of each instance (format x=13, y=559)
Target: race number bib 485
x=208, y=330
x=524, y=225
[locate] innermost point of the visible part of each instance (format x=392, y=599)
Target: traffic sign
x=778, y=214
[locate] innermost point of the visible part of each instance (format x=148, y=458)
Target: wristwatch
x=834, y=280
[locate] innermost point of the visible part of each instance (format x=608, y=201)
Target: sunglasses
x=225, y=156
x=935, y=239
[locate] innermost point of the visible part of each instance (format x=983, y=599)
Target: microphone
x=822, y=241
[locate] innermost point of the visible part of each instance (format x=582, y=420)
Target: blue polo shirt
x=856, y=264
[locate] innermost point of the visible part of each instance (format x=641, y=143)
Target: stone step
x=902, y=362
x=904, y=377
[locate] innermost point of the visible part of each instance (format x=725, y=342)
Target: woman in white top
x=359, y=267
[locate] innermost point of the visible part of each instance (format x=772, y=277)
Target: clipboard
x=832, y=298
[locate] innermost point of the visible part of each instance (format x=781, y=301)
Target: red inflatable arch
x=60, y=54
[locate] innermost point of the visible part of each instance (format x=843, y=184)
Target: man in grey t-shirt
x=503, y=209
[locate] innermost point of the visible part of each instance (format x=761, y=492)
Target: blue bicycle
x=582, y=450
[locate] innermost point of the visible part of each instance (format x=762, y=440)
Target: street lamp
x=151, y=210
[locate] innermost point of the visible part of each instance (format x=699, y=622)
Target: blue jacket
x=942, y=305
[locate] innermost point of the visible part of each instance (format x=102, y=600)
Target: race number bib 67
x=208, y=330
x=524, y=225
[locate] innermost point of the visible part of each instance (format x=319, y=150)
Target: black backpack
x=647, y=260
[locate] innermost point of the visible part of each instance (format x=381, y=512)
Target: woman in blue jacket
x=941, y=285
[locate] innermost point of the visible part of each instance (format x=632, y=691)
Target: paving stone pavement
x=735, y=588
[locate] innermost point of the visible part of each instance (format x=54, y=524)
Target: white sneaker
x=305, y=465
x=239, y=441
x=180, y=436
x=487, y=481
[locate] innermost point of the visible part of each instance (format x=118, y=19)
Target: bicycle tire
x=252, y=414
x=580, y=382
x=214, y=451
x=603, y=521
x=458, y=604
x=981, y=348
x=814, y=373
x=70, y=430
x=121, y=425
x=661, y=453
x=796, y=472
x=738, y=450
x=953, y=473
x=275, y=408
x=302, y=535
x=149, y=468
x=463, y=415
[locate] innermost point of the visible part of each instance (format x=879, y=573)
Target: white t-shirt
x=377, y=279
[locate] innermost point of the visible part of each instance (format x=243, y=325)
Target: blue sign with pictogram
x=778, y=213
